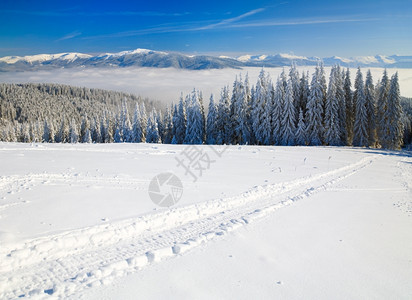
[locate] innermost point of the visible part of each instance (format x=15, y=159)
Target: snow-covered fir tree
x=304, y=92
x=340, y=96
x=301, y=130
x=224, y=121
x=393, y=115
x=277, y=112
x=314, y=111
x=294, y=77
x=152, y=131
x=382, y=107
x=73, y=132
x=168, y=126
x=289, y=117
x=332, y=133
x=260, y=106
x=350, y=117
x=267, y=115
x=370, y=109
x=194, y=129
x=137, y=128
x=179, y=122
x=211, y=124
x=360, y=131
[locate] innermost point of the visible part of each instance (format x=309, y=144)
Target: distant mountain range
x=158, y=59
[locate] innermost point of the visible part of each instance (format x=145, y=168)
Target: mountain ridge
x=160, y=59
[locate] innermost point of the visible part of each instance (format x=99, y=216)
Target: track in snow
x=61, y=265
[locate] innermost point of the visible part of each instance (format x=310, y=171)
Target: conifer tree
x=360, y=132
x=382, y=107
x=278, y=103
x=350, y=117
x=73, y=133
x=179, y=122
x=314, y=111
x=301, y=130
x=370, y=109
x=289, y=116
x=211, y=124
x=394, y=127
x=137, y=129
x=332, y=134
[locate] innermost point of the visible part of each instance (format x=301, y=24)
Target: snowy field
x=77, y=222
x=167, y=84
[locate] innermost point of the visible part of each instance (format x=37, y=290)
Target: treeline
x=290, y=111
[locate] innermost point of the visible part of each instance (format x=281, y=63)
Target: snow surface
x=76, y=222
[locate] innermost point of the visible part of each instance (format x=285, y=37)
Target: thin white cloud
x=268, y=23
x=232, y=20
x=69, y=36
x=95, y=14
x=233, y=23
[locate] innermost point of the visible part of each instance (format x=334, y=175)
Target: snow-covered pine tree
x=211, y=124
x=179, y=122
x=288, y=117
x=360, y=131
x=350, y=117
x=259, y=108
x=168, y=127
x=152, y=132
x=304, y=92
x=137, y=129
x=314, y=111
x=223, y=120
x=48, y=134
x=340, y=96
x=278, y=103
x=73, y=133
x=294, y=77
x=382, y=107
x=87, y=136
x=301, y=130
x=63, y=133
x=394, y=127
x=236, y=108
x=194, y=129
x=160, y=125
x=322, y=81
x=143, y=119
x=332, y=135
x=97, y=131
x=247, y=134
x=267, y=115
x=370, y=109
x=202, y=111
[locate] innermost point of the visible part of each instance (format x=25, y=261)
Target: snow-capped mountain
x=158, y=59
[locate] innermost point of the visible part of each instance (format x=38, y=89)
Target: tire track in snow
x=63, y=264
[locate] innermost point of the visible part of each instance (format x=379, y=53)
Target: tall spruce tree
x=211, y=124
x=350, y=117
x=394, y=127
x=332, y=135
x=360, y=131
x=382, y=107
x=288, y=117
x=314, y=111
x=370, y=109
x=301, y=130
x=278, y=103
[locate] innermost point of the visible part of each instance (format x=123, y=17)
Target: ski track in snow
x=63, y=264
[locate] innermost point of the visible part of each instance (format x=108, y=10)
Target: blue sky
x=311, y=28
